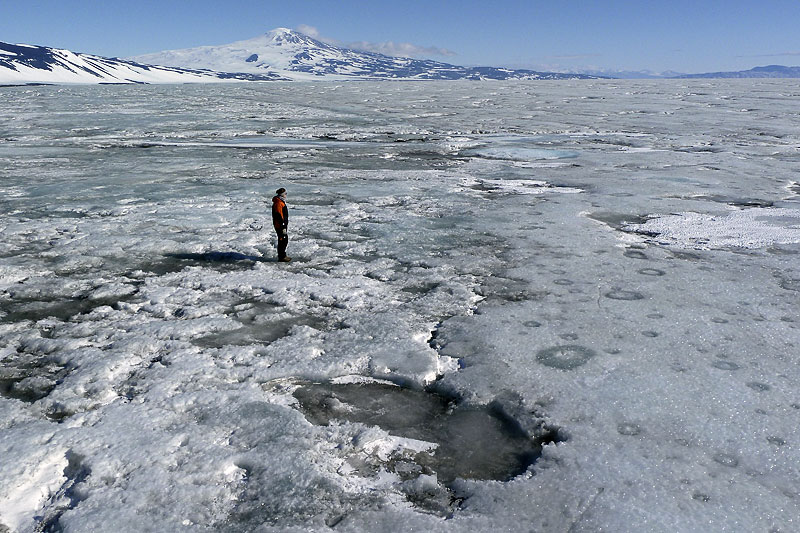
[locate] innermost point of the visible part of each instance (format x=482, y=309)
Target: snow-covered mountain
x=23, y=64
x=280, y=54
x=297, y=56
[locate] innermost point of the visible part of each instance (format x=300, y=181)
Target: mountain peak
x=279, y=36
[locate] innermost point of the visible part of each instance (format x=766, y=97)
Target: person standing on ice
x=280, y=219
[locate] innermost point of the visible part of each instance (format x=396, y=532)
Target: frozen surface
x=614, y=263
x=462, y=442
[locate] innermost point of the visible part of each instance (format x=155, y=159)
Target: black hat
x=280, y=191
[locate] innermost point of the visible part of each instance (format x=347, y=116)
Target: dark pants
x=283, y=240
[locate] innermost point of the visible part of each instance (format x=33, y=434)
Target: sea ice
x=475, y=267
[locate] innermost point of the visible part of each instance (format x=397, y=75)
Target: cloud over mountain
x=387, y=48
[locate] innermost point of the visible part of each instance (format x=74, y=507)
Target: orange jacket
x=280, y=214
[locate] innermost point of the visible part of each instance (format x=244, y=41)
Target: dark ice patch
x=784, y=249
x=734, y=201
x=618, y=221
x=18, y=310
x=509, y=290
x=622, y=294
x=635, y=254
x=421, y=288
x=651, y=272
x=726, y=459
x=629, y=429
x=721, y=364
x=790, y=284
x=30, y=377
x=688, y=256
x=474, y=442
x=260, y=332
x=758, y=387
x=263, y=322
x=565, y=357
x=700, y=149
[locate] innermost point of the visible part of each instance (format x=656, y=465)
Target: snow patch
x=34, y=483
x=747, y=228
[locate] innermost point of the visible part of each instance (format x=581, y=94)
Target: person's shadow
x=175, y=262
x=220, y=257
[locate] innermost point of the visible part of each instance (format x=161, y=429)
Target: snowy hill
x=300, y=57
x=23, y=64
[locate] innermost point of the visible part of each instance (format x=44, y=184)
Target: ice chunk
x=565, y=357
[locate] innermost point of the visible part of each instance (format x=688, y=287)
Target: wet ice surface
x=467, y=442
x=615, y=259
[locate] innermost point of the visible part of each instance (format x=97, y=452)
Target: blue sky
x=679, y=35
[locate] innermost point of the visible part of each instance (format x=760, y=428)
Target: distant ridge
x=769, y=71
x=632, y=74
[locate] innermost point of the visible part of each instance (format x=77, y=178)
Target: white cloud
x=388, y=48
x=311, y=31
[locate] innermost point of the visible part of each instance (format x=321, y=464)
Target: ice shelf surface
x=608, y=269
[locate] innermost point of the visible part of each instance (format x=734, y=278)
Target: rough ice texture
x=151, y=344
